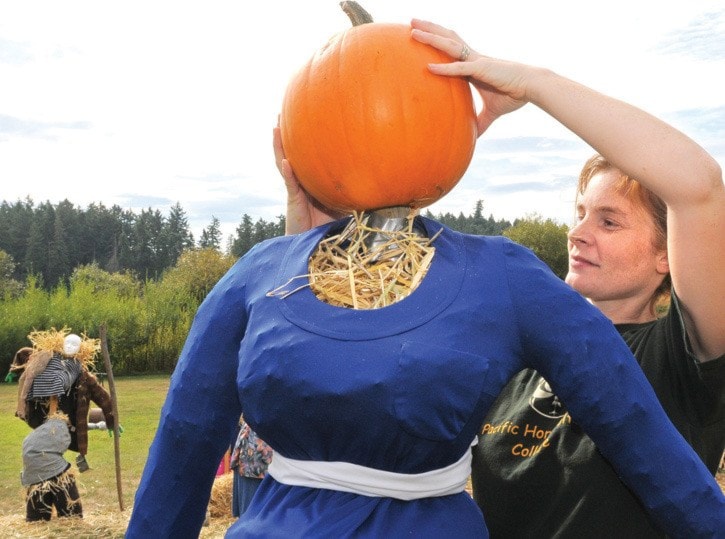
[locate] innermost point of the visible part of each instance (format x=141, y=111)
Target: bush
x=147, y=322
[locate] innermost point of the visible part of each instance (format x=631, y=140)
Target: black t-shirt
x=537, y=474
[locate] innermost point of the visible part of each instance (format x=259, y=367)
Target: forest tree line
x=50, y=240
x=144, y=275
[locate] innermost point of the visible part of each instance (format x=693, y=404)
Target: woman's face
x=612, y=257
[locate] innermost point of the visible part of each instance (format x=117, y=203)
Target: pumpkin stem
x=356, y=13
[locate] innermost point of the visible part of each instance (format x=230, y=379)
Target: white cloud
x=148, y=101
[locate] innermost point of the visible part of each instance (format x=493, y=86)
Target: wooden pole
x=114, y=404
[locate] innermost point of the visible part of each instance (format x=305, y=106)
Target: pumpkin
x=365, y=124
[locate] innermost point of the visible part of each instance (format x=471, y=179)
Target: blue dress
x=403, y=389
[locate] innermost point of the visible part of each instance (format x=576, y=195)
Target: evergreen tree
x=125, y=244
x=15, y=223
x=211, y=236
x=260, y=231
x=177, y=237
x=243, y=241
x=478, y=224
x=473, y=224
x=149, y=244
x=59, y=255
x=99, y=232
x=39, y=237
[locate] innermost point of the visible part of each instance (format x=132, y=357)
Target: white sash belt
x=348, y=477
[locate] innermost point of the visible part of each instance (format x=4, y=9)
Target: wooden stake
x=114, y=405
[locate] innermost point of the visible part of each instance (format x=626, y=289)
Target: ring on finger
x=465, y=51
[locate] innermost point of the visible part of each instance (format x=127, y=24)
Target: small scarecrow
x=56, y=377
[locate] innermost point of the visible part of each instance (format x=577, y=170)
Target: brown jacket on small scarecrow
x=56, y=376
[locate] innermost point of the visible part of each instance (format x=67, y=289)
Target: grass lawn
x=139, y=406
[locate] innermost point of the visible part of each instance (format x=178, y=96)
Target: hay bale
x=220, y=502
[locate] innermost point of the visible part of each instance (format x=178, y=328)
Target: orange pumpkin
x=365, y=125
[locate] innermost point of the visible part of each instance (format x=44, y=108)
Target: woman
x=249, y=462
x=371, y=413
x=633, y=241
x=618, y=259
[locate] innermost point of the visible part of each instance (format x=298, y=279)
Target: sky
x=148, y=104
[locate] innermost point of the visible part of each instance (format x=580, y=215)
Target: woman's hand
x=501, y=84
x=303, y=211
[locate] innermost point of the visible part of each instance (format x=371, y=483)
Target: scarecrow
x=56, y=377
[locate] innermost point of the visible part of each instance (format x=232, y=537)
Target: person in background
x=648, y=250
x=249, y=462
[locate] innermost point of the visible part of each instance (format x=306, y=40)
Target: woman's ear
x=663, y=263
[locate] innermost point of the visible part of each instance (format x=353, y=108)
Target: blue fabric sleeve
x=593, y=371
x=201, y=410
